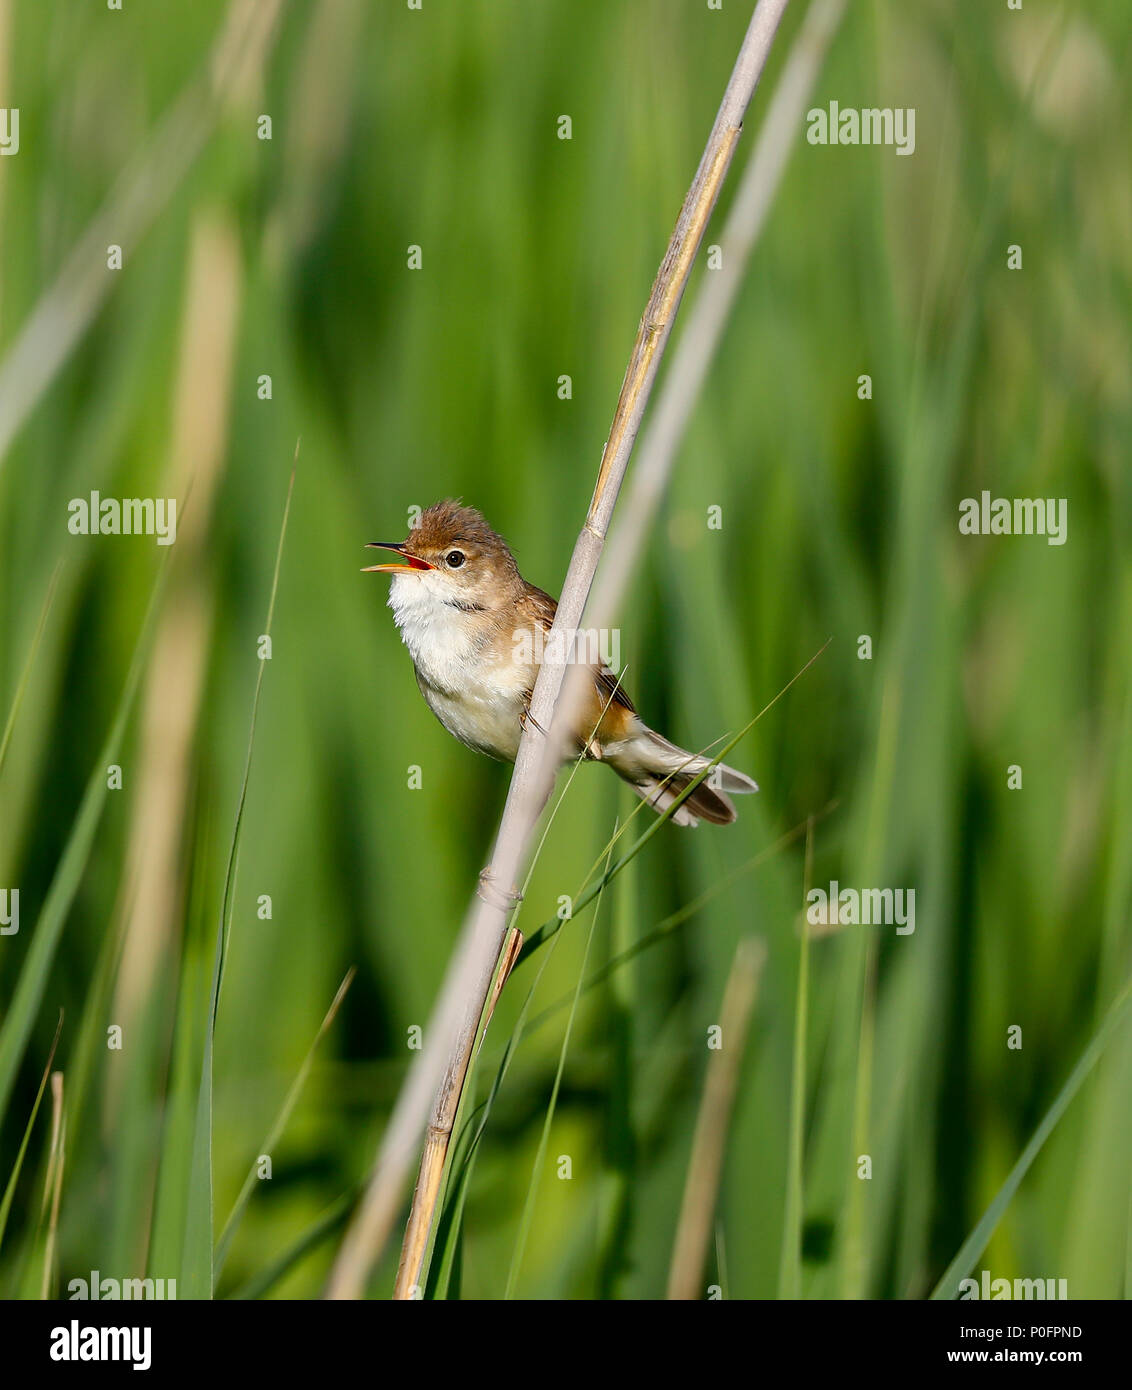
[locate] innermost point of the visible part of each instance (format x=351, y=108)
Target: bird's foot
x=526, y=717
x=492, y=894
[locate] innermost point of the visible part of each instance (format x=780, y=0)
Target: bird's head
x=454, y=557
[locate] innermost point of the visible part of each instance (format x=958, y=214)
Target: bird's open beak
x=414, y=562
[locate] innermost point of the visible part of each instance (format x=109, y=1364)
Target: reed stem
x=437, y=1075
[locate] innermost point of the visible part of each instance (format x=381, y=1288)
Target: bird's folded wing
x=540, y=608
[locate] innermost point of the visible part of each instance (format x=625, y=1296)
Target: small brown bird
x=476, y=631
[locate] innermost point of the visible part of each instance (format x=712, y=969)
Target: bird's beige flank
x=476, y=632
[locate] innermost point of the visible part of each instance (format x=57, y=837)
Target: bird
x=476, y=632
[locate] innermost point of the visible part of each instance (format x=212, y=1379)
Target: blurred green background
x=245, y=257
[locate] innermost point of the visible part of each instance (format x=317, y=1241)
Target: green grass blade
x=540, y=1156
x=961, y=1266
x=676, y=919
x=446, y=1244
x=10, y=1190
x=551, y=927
x=331, y=1220
x=790, y=1266
x=276, y=1131
x=20, y=1017
x=197, y=1274
x=445, y=1254
x=29, y=663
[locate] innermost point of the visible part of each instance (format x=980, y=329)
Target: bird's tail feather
x=658, y=771
x=703, y=804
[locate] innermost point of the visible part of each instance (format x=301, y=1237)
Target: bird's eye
x=454, y=559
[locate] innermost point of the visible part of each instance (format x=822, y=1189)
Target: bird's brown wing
x=541, y=608
x=611, y=690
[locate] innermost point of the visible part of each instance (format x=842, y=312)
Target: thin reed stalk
x=692, y=359
x=53, y=1187
x=451, y=1033
x=705, y=1168
x=707, y=320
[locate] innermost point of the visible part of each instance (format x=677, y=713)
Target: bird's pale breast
x=466, y=668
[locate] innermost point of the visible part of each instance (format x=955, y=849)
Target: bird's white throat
x=443, y=639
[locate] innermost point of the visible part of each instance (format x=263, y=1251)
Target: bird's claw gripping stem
x=528, y=718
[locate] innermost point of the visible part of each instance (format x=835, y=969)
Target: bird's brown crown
x=447, y=524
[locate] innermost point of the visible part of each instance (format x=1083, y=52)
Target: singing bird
x=476, y=632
